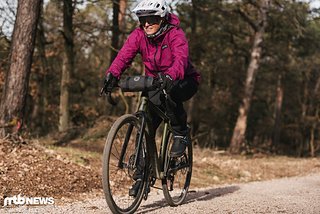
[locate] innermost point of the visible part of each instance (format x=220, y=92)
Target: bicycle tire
x=175, y=191
x=117, y=178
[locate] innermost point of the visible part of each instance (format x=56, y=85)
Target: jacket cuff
x=113, y=73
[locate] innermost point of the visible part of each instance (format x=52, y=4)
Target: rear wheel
x=118, y=165
x=176, y=183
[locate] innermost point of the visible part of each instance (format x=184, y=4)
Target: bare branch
x=247, y=19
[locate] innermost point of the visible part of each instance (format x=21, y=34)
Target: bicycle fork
x=124, y=147
x=139, y=140
x=141, y=157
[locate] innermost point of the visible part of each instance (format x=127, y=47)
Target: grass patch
x=76, y=155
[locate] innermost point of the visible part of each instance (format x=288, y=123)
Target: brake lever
x=109, y=97
x=102, y=90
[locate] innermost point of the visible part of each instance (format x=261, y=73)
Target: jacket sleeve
x=126, y=55
x=180, y=53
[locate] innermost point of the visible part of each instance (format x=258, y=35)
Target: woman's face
x=150, y=24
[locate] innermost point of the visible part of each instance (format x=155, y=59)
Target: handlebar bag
x=137, y=83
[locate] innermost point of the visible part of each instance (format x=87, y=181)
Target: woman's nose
x=146, y=24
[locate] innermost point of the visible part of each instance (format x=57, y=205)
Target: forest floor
x=37, y=168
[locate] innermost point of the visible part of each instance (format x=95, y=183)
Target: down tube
x=164, y=145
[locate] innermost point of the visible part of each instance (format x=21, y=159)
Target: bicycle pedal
x=146, y=193
x=171, y=187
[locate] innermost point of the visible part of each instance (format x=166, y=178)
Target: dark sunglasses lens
x=154, y=20
x=150, y=19
x=142, y=20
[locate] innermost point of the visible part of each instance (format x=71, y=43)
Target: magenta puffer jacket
x=167, y=53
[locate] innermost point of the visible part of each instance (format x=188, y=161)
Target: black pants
x=182, y=91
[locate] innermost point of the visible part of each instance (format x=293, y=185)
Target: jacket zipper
x=154, y=58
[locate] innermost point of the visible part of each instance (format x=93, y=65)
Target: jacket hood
x=173, y=19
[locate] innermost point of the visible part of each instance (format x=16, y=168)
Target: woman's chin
x=150, y=31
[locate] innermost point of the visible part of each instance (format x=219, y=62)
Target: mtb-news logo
x=22, y=200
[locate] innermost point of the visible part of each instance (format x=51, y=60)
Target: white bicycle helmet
x=151, y=8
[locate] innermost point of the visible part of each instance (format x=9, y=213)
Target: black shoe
x=135, y=188
x=179, y=146
x=137, y=175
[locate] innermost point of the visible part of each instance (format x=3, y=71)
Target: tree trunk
x=314, y=104
x=238, y=137
x=121, y=28
x=68, y=64
x=41, y=99
x=17, y=78
x=115, y=30
x=277, y=113
x=122, y=21
x=44, y=71
x=312, y=133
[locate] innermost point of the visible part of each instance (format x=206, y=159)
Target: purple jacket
x=168, y=53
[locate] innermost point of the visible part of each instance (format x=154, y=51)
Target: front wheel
x=177, y=181
x=119, y=165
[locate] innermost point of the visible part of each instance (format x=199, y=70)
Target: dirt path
x=287, y=195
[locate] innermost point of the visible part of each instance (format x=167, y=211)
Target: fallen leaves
x=34, y=171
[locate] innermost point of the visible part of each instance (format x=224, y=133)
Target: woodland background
x=259, y=62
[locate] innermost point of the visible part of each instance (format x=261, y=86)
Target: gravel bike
x=131, y=143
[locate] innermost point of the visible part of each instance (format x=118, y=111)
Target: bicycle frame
x=132, y=153
x=158, y=162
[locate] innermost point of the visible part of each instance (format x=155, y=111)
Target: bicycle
x=131, y=139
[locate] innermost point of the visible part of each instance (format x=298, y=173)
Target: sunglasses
x=150, y=19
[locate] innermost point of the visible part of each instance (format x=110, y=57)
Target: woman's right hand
x=109, y=83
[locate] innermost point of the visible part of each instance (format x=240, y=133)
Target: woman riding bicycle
x=165, y=52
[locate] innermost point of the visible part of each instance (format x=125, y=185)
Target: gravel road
x=287, y=195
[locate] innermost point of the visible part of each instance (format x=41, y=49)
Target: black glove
x=109, y=83
x=167, y=82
